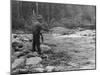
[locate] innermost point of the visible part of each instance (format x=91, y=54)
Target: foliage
x=54, y=14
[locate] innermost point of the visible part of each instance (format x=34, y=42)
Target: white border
x=5, y=37
x=84, y=2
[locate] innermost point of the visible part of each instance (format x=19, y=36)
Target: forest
x=54, y=14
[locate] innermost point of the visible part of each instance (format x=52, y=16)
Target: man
x=37, y=34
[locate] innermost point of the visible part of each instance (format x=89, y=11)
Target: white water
x=65, y=36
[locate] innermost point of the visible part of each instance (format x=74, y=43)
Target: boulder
x=39, y=69
x=15, y=72
x=33, y=61
x=25, y=51
x=18, y=53
x=28, y=45
x=18, y=63
x=23, y=71
x=49, y=68
x=44, y=56
x=45, y=47
x=13, y=58
x=34, y=54
x=24, y=39
x=39, y=66
x=88, y=33
x=17, y=46
x=59, y=68
x=14, y=36
x=15, y=40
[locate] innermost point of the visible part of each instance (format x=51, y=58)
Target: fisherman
x=37, y=34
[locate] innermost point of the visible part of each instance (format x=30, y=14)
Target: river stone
x=23, y=71
x=33, y=61
x=49, y=68
x=18, y=54
x=39, y=69
x=59, y=68
x=17, y=46
x=18, y=63
x=13, y=58
x=34, y=54
x=15, y=72
x=45, y=47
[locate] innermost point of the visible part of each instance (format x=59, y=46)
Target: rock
x=26, y=51
x=59, y=68
x=49, y=68
x=39, y=69
x=44, y=56
x=45, y=47
x=24, y=39
x=88, y=33
x=15, y=72
x=28, y=45
x=12, y=51
x=89, y=62
x=72, y=64
x=88, y=67
x=34, y=54
x=23, y=71
x=19, y=31
x=18, y=54
x=18, y=63
x=39, y=66
x=33, y=61
x=15, y=40
x=36, y=68
x=26, y=67
x=14, y=36
x=17, y=46
x=13, y=58
x=92, y=61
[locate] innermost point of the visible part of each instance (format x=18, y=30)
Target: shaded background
x=55, y=15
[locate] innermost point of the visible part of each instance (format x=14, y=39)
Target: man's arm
x=44, y=28
x=41, y=37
